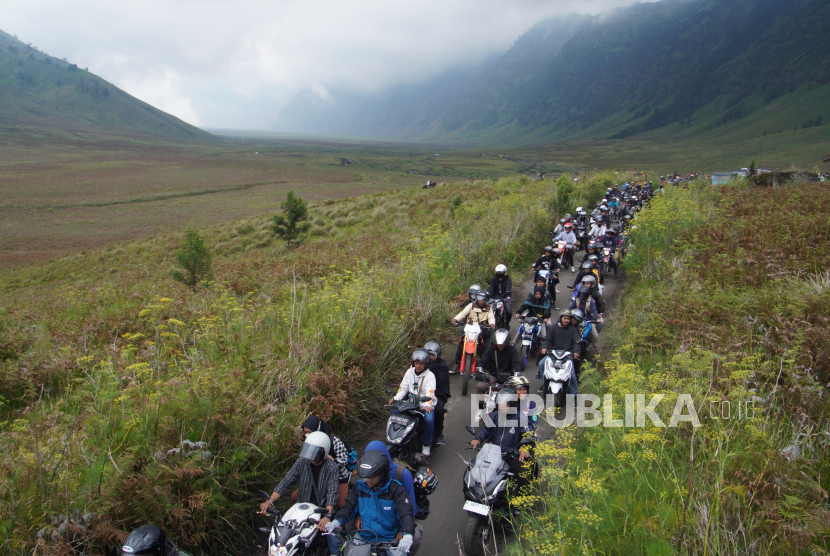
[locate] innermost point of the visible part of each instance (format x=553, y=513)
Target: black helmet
x=548, y=248
x=146, y=540
x=373, y=464
x=434, y=348
x=501, y=337
x=577, y=315
x=592, y=245
x=556, y=251
x=424, y=481
x=508, y=397
x=420, y=354
x=482, y=295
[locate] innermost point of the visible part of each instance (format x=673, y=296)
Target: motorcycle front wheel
x=465, y=375
x=525, y=356
x=476, y=535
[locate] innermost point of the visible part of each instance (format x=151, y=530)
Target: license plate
x=475, y=507
x=399, y=420
x=526, y=342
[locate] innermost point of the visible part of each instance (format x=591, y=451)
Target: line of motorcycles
x=486, y=481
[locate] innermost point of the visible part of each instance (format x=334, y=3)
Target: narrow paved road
x=445, y=525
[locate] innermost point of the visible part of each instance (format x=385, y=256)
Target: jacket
x=406, y=477
x=480, y=316
x=441, y=370
x=504, y=434
x=500, y=288
x=501, y=364
x=537, y=307
x=326, y=487
x=586, y=307
x=562, y=338
x=420, y=385
x=385, y=510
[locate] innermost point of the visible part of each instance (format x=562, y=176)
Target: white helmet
x=316, y=447
x=501, y=336
x=501, y=269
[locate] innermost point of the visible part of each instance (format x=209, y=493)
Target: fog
x=234, y=65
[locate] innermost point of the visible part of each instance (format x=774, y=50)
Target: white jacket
x=421, y=385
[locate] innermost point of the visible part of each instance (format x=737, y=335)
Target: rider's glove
x=332, y=525
x=405, y=543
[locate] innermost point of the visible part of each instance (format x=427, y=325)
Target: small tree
x=194, y=258
x=290, y=224
x=753, y=169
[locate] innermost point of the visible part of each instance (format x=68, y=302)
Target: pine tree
x=290, y=224
x=194, y=258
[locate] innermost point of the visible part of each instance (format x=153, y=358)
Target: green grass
x=718, y=308
x=126, y=398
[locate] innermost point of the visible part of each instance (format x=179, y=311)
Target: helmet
x=577, y=315
x=556, y=251
x=507, y=396
x=589, y=278
x=471, y=293
x=562, y=220
x=603, y=208
x=424, y=481
x=420, y=354
x=374, y=463
x=482, y=295
x=627, y=217
x=501, y=337
x=568, y=225
x=548, y=248
x=501, y=269
x=568, y=217
x=587, y=265
x=611, y=231
x=516, y=382
x=316, y=447
x=593, y=257
x=147, y=539
x=565, y=313
x=433, y=347
x=592, y=245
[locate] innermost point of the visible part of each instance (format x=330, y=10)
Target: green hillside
x=38, y=91
x=703, y=64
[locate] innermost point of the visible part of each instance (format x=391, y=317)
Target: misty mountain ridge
x=671, y=67
x=40, y=92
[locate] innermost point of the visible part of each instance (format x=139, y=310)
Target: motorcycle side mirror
x=265, y=495
x=471, y=429
x=321, y=511
x=388, y=391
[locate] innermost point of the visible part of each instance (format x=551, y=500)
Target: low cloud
x=234, y=65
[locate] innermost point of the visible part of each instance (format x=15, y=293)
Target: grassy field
x=718, y=308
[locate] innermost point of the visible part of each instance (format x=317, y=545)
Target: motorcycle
x=606, y=258
x=486, y=485
x=558, y=369
x=150, y=539
x=582, y=238
x=529, y=333
x=402, y=438
x=355, y=545
x=502, y=320
x=469, y=355
x=295, y=532
x=567, y=254
x=585, y=338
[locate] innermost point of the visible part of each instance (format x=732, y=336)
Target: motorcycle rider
x=419, y=382
x=560, y=336
x=598, y=229
x=536, y=305
x=570, y=244
x=381, y=502
x=528, y=412
x=588, y=268
x=614, y=243
x=471, y=295
x=441, y=370
x=500, y=361
x=339, y=454
x=408, y=483
x=315, y=473
x=548, y=261
x=500, y=287
x=559, y=227
x=479, y=313
x=507, y=433
x=583, y=301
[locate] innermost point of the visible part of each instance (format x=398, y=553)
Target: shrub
x=194, y=259
x=291, y=223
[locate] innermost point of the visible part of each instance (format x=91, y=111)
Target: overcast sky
x=233, y=65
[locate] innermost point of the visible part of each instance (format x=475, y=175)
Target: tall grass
x=718, y=308
x=127, y=399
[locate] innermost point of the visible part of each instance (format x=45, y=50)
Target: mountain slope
x=37, y=90
x=648, y=65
